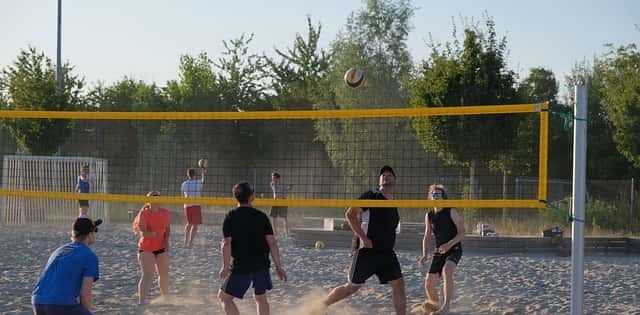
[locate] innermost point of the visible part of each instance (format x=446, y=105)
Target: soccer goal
x=51, y=174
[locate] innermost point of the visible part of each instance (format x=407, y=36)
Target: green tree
x=296, y=76
x=30, y=84
x=621, y=99
x=196, y=89
x=241, y=75
x=541, y=86
x=374, y=39
x=129, y=145
x=604, y=161
x=474, y=74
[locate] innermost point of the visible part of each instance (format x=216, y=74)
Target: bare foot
x=429, y=306
x=443, y=310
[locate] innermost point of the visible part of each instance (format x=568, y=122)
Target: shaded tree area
x=374, y=39
x=471, y=72
x=30, y=84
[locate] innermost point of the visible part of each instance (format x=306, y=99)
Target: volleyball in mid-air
x=354, y=77
x=202, y=163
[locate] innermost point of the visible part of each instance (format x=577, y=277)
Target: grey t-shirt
x=279, y=189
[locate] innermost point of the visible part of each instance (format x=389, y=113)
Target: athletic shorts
x=237, y=284
x=367, y=263
x=52, y=309
x=155, y=252
x=279, y=211
x=193, y=214
x=437, y=263
x=83, y=203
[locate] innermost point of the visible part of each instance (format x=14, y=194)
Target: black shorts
x=366, y=263
x=155, y=252
x=278, y=211
x=237, y=284
x=83, y=203
x=437, y=263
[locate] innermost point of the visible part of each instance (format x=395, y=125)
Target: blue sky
x=106, y=40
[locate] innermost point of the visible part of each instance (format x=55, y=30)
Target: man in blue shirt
x=65, y=285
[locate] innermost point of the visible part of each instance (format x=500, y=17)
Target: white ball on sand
x=354, y=77
x=319, y=244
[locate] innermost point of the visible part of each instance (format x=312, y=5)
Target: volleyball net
x=326, y=158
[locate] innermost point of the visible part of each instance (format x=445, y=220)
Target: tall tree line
x=471, y=69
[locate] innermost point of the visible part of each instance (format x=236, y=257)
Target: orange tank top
x=151, y=221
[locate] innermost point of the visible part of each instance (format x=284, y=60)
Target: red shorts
x=193, y=214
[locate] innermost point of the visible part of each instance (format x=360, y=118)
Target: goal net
x=56, y=174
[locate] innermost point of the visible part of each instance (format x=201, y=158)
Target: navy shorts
x=366, y=263
x=83, y=203
x=237, y=284
x=437, y=263
x=51, y=309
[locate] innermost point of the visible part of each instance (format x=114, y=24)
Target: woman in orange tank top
x=152, y=224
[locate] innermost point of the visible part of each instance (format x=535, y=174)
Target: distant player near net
x=279, y=189
x=448, y=228
x=376, y=232
x=83, y=186
x=192, y=187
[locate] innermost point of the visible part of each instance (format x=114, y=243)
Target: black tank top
x=442, y=225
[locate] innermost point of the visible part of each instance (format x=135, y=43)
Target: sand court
x=486, y=284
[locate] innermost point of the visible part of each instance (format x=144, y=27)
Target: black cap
x=387, y=168
x=84, y=226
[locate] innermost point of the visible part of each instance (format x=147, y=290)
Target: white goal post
x=49, y=173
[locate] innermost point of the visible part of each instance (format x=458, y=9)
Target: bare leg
x=226, y=301
x=447, y=272
x=82, y=211
x=192, y=234
x=147, y=262
x=339, y=293
x=162, y=267
x=262, y=304
x=286, y=226
x=431, y=304
x=274, y=225
x=187, y=231
x=398, y=295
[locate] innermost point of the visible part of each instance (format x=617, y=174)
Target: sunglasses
x=437, y=194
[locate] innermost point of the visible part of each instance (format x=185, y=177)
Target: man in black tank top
x=446, y=225
x=374, y=254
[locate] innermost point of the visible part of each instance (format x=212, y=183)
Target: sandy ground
x=486, y=284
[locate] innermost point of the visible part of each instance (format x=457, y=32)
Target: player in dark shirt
x=376, y=232
x=248, y=241
x=448, y=229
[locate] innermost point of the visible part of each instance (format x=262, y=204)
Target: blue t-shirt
x=62, y=277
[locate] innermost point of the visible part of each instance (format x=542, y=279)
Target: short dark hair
x=191, y=173
x=275, y=174
x=242, y=191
